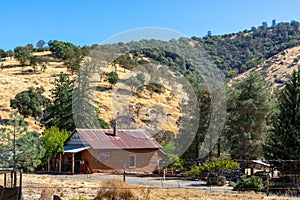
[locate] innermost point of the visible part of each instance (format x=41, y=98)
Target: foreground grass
x=68, y=188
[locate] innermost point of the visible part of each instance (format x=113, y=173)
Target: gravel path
x=152, y=180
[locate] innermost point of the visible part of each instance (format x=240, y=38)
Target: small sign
x=104, y=155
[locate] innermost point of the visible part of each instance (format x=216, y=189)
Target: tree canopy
x=53, y=140
x=249, y=105
x=283, y=141
x=59, y=111
x=30, y=102
x=20, y=148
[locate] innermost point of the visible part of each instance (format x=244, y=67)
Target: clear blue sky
x=86, y=22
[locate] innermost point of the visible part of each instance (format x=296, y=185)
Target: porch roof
x=74, y=149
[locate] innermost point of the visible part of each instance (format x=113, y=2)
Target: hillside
x=271, y=50
x=238, y=52
x=15, y=79
x=277, y=68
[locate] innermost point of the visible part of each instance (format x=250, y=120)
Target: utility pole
x=14, y=153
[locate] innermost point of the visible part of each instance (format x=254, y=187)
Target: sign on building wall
x=104, y=155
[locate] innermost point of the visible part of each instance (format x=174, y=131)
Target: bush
x=195, y=170
x=216, y=180
x=116, y=189
x=251, y=183
x=221, y=181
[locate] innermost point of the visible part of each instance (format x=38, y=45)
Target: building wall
x=146, y=160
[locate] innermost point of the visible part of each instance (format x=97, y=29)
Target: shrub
x=250, y=183
x=116, y=189
x=195, y=170
x=216, y=180
x=221, y=181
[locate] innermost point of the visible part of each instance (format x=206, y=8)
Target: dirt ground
x=68, y=188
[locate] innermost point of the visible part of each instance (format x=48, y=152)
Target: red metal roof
x=125, y=139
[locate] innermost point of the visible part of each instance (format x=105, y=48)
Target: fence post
x=268, y=189
x=124, y=172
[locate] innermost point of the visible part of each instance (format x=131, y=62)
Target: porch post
x=48, y=164
x=73, y=163
x=59, y=165
x=4, y=180
x=20, y=185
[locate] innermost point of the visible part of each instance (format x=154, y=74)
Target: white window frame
x=130, y=156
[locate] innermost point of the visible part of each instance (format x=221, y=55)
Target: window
x=132, y=161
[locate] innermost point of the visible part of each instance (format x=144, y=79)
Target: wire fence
x=86, y=187
x=144, y=193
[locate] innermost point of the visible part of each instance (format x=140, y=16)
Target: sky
x=87, y=22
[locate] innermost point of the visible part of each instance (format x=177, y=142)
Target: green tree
x=30, y=102
x=20, y=148
x=133, y=83
x=85, y=110
x=35, y=61
x=64, y=50
x=283, y=141
x=22, y=54
x=40, y=45
x=112, y=78
x=59, y=112
x=53, y=141
x=3, y=53
x=71, y=54
x=141, y=77
x=30, y=151
x=216, y=167
x=204, y=101
x=249, y=104
x=73, y=63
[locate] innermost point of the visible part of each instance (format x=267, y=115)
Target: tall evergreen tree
x=248, y=107
x=85, y=111
x=204, y=102
x=18, y=147
x=59, y=112
x=283, y=141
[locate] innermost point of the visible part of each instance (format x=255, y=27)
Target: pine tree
x=283, y=142
x=85, y=110
x=248, y=108
x=18, y=147
x=59, y=112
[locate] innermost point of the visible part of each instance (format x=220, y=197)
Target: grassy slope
x=280, y=66
x=12, y=82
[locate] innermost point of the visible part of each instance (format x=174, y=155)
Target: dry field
x=73, y=188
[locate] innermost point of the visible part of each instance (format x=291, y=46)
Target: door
x=77, y=158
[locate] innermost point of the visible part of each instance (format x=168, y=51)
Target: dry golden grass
x=116, y=189
x=281, y=66
x=14, y=79
x=68, y=188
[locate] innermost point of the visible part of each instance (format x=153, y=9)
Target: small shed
x=254, y=165
x=104, y=150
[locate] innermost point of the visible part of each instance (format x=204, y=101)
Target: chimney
x=115, y=128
